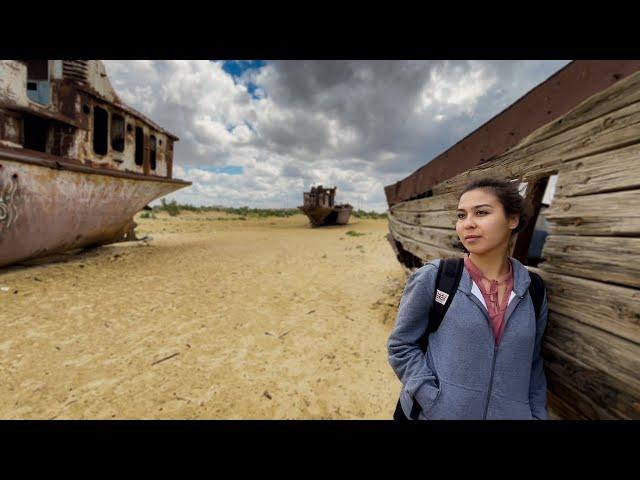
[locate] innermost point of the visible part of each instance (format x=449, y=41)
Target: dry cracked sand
x=209, y=319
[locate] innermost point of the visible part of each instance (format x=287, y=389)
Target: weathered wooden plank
x=619, y=95
x=606, y=172
x=391, y=240
x=593, y=392
x=607, y=259
x=502, y=167
x=496, y=168
x=425, y=251
x=608, y=353
x=611, y=308
x=429, y=204
x=581, y=407
x=419, y=250
x=616, y=213
x=559, y=409
x=440, y=237
x=615, y=130
x=440, y=219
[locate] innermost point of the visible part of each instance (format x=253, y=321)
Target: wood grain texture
x=581, y=406
x=592, y=391
x=611, y=308
x=425, y=251
x=606, y=259
x=440, y=219
x=439, y=237
x=610, y=214
x=439, y=202
x=619, y=95
x=559, y=409
x=615, y=130
x=616, y=357
x=606, y=172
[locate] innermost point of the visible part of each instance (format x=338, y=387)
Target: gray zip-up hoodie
x=464, y=374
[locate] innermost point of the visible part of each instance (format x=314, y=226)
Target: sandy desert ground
x=209, y=319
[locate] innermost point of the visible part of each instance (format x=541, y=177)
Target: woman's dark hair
x=507, y=194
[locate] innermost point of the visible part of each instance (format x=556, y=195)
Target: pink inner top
x=489, y=290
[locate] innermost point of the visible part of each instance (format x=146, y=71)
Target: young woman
x=484, y=361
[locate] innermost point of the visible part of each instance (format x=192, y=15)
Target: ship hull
x=322, y=216
x=45, y=210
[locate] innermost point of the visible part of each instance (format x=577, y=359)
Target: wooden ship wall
x=591, y=261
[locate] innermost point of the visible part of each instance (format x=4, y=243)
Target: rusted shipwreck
x=580, y=129
x=319, y=206
x=76, y=163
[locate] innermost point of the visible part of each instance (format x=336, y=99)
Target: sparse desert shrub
x=171, y=208
x=372, y=214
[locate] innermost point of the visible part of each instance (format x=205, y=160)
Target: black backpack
x=447, y=280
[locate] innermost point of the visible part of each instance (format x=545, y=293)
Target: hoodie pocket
x=457, y=403
x=426, y=396
x=503, y=408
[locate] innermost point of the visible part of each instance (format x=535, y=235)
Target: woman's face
x=482, y=225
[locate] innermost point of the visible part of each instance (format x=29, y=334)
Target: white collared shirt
x=476, y=291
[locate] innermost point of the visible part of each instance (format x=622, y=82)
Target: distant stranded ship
x=76, y=164
x=319, y=206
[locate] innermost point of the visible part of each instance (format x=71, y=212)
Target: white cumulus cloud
x=359, y=125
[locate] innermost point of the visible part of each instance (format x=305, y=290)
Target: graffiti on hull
x=8, y=210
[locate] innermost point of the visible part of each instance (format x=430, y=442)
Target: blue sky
x=228, y=169
x=236, y=68
x=260, y=133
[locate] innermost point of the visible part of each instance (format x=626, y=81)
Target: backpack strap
x=447, y=281
x=536, y=290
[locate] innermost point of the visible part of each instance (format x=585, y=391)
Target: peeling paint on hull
x=45, y=211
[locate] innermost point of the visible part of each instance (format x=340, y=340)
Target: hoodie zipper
x=493, y=367
x=484, y=311
x=514, y=302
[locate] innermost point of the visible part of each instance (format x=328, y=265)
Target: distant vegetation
x=262, y=212
x=372, y=214
x=173, y=209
